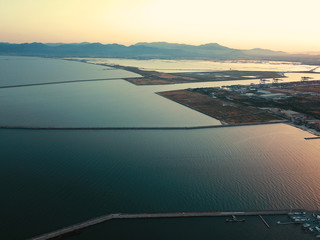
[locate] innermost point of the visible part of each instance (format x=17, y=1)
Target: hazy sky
x=288, y=25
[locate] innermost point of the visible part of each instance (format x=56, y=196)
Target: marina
x=309, y=220
x=77, y=227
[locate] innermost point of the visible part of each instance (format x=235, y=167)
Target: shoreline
x=222, y=110
x=303, y=128
x=222, y=122
x=154, y=77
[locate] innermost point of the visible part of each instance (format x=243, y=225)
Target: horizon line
x=146, y=42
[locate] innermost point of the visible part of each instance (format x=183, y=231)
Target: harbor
x=308, y=220
x=102, y=219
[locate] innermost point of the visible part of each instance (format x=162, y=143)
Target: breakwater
x=138, y=128
x=60, y=82
x=312, y=138
x=95, y=221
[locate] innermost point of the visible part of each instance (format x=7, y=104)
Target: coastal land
x=161, y=78
x=158, y=78
x=226, y=111
x=298, y=102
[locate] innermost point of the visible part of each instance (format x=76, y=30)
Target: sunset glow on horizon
x=285, y=25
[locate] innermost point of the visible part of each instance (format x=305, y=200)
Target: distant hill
x=211, y=50
x=160, y=50
x=264, y=52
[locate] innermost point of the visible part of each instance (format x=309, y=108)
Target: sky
x=284, y=25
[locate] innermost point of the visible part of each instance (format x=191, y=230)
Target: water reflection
x=204, y=66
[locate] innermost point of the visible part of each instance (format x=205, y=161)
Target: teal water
x=115, y=103
x=52, y=179
x=29, y=70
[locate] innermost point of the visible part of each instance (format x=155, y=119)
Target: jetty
x=312, y=138
x=77, y=227
x=139, y=128
x=264, y=221
x=58, y=82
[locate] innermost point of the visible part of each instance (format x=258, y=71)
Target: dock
x=264, y=221
x=312, y=138
x=98, y=220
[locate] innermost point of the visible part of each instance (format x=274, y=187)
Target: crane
x=263, y=81
x=276, y=80
x=304, y=79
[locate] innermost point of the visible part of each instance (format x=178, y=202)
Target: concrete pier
x=95, y=221
x=264, y=221
x=312, y=138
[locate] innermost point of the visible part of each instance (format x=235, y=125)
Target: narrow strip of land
x=149, y=77
x=102, y=219
x=314, y=69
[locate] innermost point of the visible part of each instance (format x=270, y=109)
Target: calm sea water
x=51, y=179
x=28, y=70
x=114, y=103
x=111, y=103
x=203, y=66
x=104, y=103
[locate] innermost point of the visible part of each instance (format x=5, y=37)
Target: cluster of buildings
x=262, y=91
x=256, y=90
x=297, y=118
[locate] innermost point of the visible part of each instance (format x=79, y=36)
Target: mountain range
x=154, y=50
